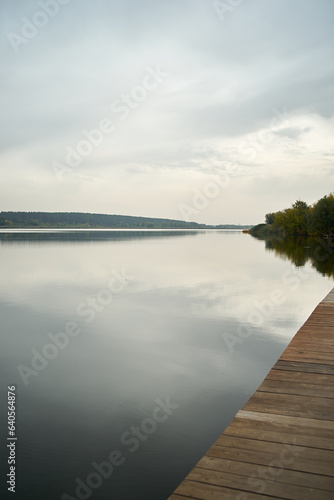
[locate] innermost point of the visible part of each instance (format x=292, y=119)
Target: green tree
x=281, y=220
x=322, y=216
x=301, y=217
x=294, y=220
x=270, y=218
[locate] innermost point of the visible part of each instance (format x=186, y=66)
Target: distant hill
x=97, y=221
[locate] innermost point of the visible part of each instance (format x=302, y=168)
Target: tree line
x=87, y=220
x=300, y=220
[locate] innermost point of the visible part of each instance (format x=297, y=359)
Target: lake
x=131, y=351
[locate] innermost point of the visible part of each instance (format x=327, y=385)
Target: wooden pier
x=281, y=444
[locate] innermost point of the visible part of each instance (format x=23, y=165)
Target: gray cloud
x=226, y=77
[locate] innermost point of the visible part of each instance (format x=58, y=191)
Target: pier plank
x=254, y=484
x=292, y=405
x=286, y=434
x=258, y=471
x=266, y=459
x=298, y=388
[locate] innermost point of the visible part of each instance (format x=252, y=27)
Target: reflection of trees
x=91, y=236
x=292, y=248
x=300, y=250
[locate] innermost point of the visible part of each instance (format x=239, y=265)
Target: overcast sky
x=217, y=112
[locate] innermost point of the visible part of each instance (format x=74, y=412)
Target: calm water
x=191, y=320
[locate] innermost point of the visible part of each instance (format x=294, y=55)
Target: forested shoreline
x=300, y=220
x=63, y=220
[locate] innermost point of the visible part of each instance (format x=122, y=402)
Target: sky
x=210, y=111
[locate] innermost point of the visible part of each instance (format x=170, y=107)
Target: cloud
x=226, y=78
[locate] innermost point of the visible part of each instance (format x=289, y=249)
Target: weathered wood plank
x=271, y=459
x=295, y=406
x=298, y=388
x=300, y=366
x=257, y=485
x=206, y=491
x=312, y=344
x=277, y=449
x=285, y=434
x=303, y=377
x=301, y=421
x=280, y=474
x=309, y=357
x=311, y=348
x=281, y=437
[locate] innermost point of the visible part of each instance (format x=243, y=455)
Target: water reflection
x=160, y=337
x=79, y=236
x=300, y=250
